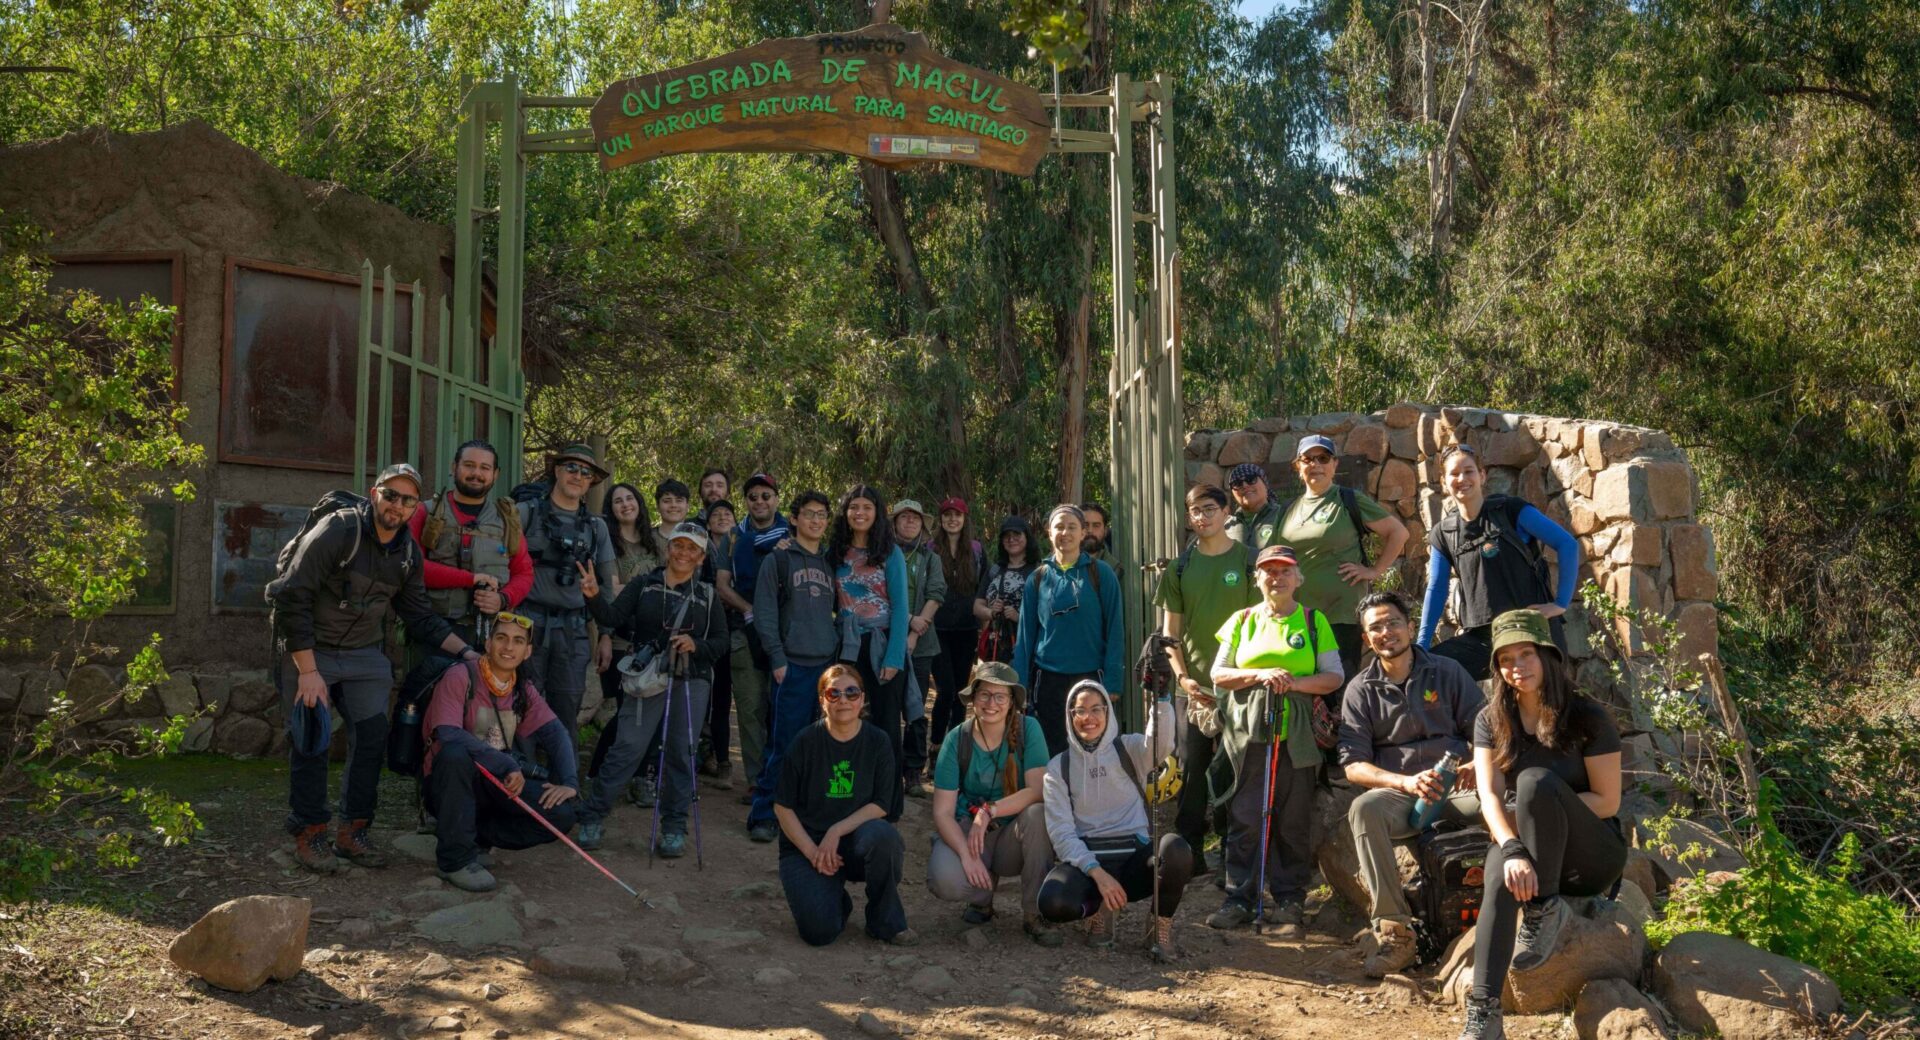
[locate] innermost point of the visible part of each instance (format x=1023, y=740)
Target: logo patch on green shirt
x=841, y=784
x=1231, y=577
x=1296, y=640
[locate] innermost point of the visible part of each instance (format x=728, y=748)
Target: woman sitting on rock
x=1096, y=804
x=1548, y=762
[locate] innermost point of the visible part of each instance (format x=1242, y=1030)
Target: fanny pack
x=1113, y=851
x=644, y=673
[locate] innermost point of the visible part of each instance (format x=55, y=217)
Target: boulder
x=1609, y=1009
x=177, y=695
x=1403, y=415
x=1608, y=945
x=1698, y=631
x=243, y=942
x=242, y=735
x=1397, y=481
x=932, y=981
x=199, y=736
x=1716, y=984
x=250, y=692
x=486, y=923
x=1334, y=851
x=1633, y=899
x=661, y=966
x=1640, y=872
x=1244, y=446
x=1515, y=448
x=583, y=962
x=91, y=688
x=1367, y=439
x=1333, y=424
x=1690, y=546
x=1637, y=545
x=1197, y=442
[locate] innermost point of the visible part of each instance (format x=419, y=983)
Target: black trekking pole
x=680, y=669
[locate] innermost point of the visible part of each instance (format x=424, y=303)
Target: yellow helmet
x=1163, y=784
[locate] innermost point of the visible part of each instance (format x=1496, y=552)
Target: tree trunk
x=1441, y=233
x=1073, y=324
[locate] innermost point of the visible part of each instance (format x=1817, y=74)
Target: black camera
x=563, y=554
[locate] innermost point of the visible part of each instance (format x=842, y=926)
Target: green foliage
x=1866, y=943
x=1056, y=30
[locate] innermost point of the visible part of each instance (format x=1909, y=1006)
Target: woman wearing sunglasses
x=831, y=803
x=1069, y=625
x=1324, y=526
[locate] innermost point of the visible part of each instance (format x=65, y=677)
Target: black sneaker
x=764, y=831
x=1232, y=914
x=1483, y=1020
x=1541, y=922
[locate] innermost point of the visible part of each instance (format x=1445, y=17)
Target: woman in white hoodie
x=1096, y=802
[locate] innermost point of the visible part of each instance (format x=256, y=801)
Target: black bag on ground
x=1445, y=895
x=406, y=746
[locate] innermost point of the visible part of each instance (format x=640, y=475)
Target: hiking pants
x=1197, y=813
x=358, y=685
x=952, y=667
x=470, y=814
x=821, y=905
x=1020, y=847
x=561, y=659
x=1069, y=894
x=795, y=706
x=1574, y=853
x=1379, y=818
x=1049, y=695
x=1290, y=841
x=683, y=707
x=752, y=704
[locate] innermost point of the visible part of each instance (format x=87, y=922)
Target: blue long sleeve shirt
x=1534, y=525
x=1066, y=627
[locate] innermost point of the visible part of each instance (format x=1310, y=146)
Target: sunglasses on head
x=845, y=693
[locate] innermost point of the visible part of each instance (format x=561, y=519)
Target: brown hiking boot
x=311, y=849
x=351, y=842
x=1394, y=952
x=1160, y=944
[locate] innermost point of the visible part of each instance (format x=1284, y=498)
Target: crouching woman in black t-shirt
x=1548, y=762
x=831, y=802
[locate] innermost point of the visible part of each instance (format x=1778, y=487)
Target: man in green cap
x=564, y=539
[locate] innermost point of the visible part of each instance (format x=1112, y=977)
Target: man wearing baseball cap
x=561, y=535
x=353, y=560
x=1256, y=520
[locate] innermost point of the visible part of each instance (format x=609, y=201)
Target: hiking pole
x=660, y=766
x=544, y=822
x=693, y=774
x=1266, y=816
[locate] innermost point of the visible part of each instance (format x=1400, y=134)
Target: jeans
x=751, y=702
x=358, y=684
x=1049, y=697
x=682, y=708
x=794, y=708
x=1379, y=817
x=471, y=814
x=873, y=853
x=1289, y=850
x=886, y=708
x=1574, y=853
x=1069, y=894
x=559, y=664
x=1017, y=848
x=952, y=668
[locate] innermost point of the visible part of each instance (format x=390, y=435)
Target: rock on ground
x=416, y=846
x=869, y=1023
x=243, y=942
x=588, y=963
x=1609, y=945
x=659, y=965
x=472, y=924
x=931, y=980
x=1609, y=1009
x=721, y=938
x=432, y=966
x=1713, y=983
x=767, y=978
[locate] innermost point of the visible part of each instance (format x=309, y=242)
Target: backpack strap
x=1132, y=770
x=1350, y=501
x=436, y=524
x=510, y=530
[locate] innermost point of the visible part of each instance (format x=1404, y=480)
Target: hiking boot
x=723, y=775
x=1395, y=949
x=1483, y=1020
x=484, y=858
x=976, y=914
x=590, y=835
x=351, y=843
x=1232, y=914
x=763, y=832
x=1541, y=922
x=311, y=848
x=471, y=878
x=1100, y=929
x=672, y=846
x=903, y=937
x=1160, y=945
x=1289, y=919
x=917, y=787
x=708, y=767
x=1042, y=933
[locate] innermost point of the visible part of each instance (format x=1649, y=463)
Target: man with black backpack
x=561, y=535
x=793, y=614
x=335, y=582
x=1405, y=710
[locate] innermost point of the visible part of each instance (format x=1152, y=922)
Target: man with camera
x=562, y=536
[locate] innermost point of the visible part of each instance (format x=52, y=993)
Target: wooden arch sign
x=879, y=93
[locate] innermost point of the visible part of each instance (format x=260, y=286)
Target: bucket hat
x=999, y=673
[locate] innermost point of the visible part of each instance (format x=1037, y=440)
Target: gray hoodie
x=796, y=623
x=1104, y=803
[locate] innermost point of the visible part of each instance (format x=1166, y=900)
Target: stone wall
x=1626, y=492
x=239, y=710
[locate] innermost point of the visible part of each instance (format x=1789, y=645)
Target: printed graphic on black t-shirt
x=824, y=781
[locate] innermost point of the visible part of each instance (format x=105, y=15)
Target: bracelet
x=1514, y=848
x=310, y=671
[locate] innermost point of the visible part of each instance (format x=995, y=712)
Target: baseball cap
x=1307, y=444
x=310, y=728
x=689, y=530
x=401, y=471
x=1245, y=473
x=1276, y=554
x=954, y=504
x=759, y=480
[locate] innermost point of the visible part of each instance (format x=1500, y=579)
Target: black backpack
x=1503, y=512
x=1445, y=894
x=330, y=503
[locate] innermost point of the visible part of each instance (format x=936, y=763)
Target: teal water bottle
x=1424, y=811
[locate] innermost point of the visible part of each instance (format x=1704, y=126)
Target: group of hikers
x=870, y=652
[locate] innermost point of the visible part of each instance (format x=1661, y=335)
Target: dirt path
x=749, y=974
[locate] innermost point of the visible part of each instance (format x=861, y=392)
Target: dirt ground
x=93, y=961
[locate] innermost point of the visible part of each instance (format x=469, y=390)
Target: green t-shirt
x=1323, y=537
x=1253, y=638
x=1205, y=593
x=986, y=770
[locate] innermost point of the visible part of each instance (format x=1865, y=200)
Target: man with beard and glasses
x=1405, y=709
x=330, y=604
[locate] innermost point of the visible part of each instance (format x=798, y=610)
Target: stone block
x=1695, y=575
x=1368, y=439
x=1507, y=448
x=1455, y=417
x=1670, y=489
x=1243, y=446
x=243, y=942
x=1206, y=473
x=1579, y=632
x=1637, y=545
x=251, y=692
x=178, y=695
x=242, y=735
x=1572, y=474
x=1403, y=443
x=1406, y=507
x=1581, y=518
x=1570, y=434
x=10, y=683
x=1698, y=631
x=581, y=962
x=1284, y=445
x=1433, y=506
x=1197, y=443
x=1533, y=485
x=216, y=689
x=1333, y=423
x=1432, y=435
x=199, y=735
x=93, y=689
x=1502, y=480
x=1619, y=443
x=1416, y=538
x=1269, y=426
x=1620, y=494
x=1397, y=482
x=37, y=687
x=1402, y=416
x=1590, y=452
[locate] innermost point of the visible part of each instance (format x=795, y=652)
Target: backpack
x=1093, y=576
x=406, y=748
x=1013, y=750
x=1503, y=513
x=330, y=503
x=437, y=521
x=1349, y=500
x=1445, y=893
x=531, y=491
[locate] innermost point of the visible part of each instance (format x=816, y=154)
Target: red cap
x=954, y=504
x=1276, y=554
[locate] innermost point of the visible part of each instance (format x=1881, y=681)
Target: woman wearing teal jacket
x=1069, y=625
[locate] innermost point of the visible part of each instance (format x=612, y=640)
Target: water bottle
x=1424, y=811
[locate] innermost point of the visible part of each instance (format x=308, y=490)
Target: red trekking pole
x=544, y=822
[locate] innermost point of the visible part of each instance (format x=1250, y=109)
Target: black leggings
x=1049, y=700
x=886, y=709
x=952, y=667
x=1574, y=853
x=1068, y=894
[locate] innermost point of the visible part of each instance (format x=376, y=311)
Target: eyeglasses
x=576, y=469
x=811, y=514
x=993, y=698
x=764, y=496
x=1388, y=624
x=1206, y=512
x=845, y=693
x=1088, y=713
x=390, y=495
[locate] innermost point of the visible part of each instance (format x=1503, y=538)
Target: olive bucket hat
x=1524, y=626
x=999, y=673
